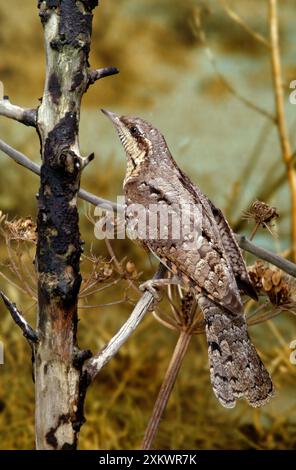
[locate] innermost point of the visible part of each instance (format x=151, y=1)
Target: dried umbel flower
x=104, y=272
x=262, y=214
x=184, y=315
x=278, y=286
x=21, y=229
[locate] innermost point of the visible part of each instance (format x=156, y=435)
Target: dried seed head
x=104, y=272
x=263, y=214
x=278, y=286
x=21, y=229
x=184, y=314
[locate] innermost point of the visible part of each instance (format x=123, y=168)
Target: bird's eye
x=134, y=130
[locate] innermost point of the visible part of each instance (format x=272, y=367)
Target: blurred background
x=183, y=66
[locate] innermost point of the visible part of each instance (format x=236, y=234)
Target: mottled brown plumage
x=208, y=260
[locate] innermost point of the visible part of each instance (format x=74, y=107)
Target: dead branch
x=29, y=333
x=282, y=263
x=97, y=362
x=67, y=26
x=19, y=158
x=97, y=74
x=24, y=115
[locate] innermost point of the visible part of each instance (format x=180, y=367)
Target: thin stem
x=254, y=231
x=212, y=59
x=10, y=282
x=108, y=304
x=166, y=389
x=99, y=289
x=119, y=267
x=281, y=118
x=237, y=19
x=19, y=157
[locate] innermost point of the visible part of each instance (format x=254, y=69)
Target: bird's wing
x=233, y=253
x=202, y=262
x=231, y=248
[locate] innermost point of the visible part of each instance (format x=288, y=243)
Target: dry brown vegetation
x=120, y=402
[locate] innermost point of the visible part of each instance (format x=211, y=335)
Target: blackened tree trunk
x=59, y=381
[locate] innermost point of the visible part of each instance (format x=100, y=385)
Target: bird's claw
x=150, y=287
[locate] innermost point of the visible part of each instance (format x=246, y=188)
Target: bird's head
x=141, y=141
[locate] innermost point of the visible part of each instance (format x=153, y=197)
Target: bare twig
x=237, y=19
x=97, y=362
x=24, y=161
x=10, y=281
x=23, y=115
x=119, y=268
x=107, y=304
x=98, y=201
x=97, y=74
x=282, y=263
x=27, y=330
x=19, y=157
x=166, y=388
x=85, y=291
x=281, y=118
x=254, y=231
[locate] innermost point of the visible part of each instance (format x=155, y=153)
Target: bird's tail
x=236, y=369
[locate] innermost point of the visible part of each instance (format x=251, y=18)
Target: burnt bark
x=60, y=385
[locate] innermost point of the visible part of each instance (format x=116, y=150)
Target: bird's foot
x=152, y=287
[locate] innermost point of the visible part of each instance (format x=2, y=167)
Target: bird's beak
x=112, y=116
x=119, y=126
